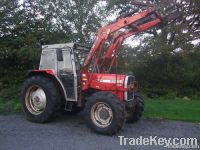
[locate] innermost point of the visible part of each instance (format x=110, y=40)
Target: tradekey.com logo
x=174, y=143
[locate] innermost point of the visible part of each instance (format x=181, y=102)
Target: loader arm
x=132, y=23
x=118, y=39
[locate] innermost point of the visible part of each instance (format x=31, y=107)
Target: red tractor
x=62, y=82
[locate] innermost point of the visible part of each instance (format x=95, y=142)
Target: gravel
x=70, y=133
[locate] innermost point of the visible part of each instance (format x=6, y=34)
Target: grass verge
x=10, y=106
x=173, y=109
x=9, y=99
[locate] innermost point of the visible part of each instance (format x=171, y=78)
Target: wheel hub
x=39, y=99
x=101, y=114
x=36, y=100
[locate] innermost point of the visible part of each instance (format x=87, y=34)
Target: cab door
x=66, y=71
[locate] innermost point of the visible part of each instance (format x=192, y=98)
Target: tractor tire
x=136, y=112
x=40, y=98
x=105, y=114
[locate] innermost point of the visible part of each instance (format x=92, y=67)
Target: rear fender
x=50, y=74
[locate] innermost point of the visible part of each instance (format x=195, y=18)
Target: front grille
x=129, y=80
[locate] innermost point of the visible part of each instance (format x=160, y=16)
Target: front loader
x=63, y=82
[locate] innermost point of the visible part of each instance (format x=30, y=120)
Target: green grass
x=9, y=99
x=173, y=109
x=10, y=106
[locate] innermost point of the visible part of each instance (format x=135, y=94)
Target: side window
x=48, y=59
x=65, y=66
x=67, y=61
x=78, y=66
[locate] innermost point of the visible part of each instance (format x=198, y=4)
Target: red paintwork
x=48, y=71
x=105, y=82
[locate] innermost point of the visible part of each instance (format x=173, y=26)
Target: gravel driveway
x=71, y=133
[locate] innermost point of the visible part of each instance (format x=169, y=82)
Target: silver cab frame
x=66, y=66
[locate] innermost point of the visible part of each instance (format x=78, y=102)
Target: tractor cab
x=63, y=60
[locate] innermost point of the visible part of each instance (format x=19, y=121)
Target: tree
x=165, y=61
x=181, y=21
x=9, y=15
x=81, y=17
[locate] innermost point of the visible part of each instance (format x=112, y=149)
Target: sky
x=21, y=1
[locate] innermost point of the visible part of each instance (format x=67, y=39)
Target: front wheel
x=105, y=114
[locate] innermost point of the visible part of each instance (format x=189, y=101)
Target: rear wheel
x=105, y=114
x=136, y=112
x=40, y=98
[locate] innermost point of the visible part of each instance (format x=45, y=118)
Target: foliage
x=9, y=96
x=166, y=61
x=78, y=18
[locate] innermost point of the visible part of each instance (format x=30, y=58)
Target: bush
x=9, y=93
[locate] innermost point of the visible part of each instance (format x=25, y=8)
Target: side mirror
x=59, y=54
